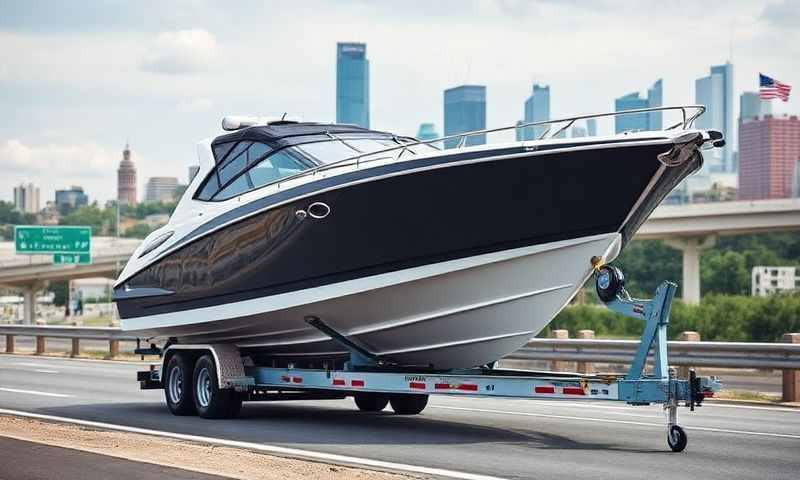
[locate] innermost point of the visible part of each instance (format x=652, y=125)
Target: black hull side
x=411, y=219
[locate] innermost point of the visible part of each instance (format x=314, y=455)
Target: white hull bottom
x=453, y=314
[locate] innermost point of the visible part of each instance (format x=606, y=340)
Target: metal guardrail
x=696, y=354
x=58, y=331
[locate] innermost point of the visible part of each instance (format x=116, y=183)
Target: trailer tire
x=371, y=402
x=178, y=386
x=210, y=400
x=676, y=438
x=408, y=404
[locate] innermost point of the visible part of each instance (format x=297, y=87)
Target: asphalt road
x=498, y=437
x=44, y=462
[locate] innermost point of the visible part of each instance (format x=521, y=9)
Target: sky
x=80, y=79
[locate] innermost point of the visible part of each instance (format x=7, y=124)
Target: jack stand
x=662, y=386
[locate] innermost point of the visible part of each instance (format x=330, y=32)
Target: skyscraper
x=751, y=106
x=26, y=198
x=465, y=111
x=126, y=179
x=352, y=84
x=591, y=127
x=427, y=131
x=769, y=148
x=716, y=93
x=633, y=101
x=578, y=132
x=537, y=109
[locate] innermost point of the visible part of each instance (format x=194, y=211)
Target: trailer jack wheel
x=676, y=438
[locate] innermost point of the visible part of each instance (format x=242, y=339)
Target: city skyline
x=166, y=80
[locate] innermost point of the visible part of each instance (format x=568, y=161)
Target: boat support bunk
x=375, y=382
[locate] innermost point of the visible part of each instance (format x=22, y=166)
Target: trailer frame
x=374, y=381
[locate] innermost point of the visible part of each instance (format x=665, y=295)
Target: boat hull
x=463, y=312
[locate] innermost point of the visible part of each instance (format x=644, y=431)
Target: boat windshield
x=333, y=151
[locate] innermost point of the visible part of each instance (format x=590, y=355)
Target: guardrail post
x=683, y=372
x=76, y=348
x=556, y=365
x=585, y=367
x=10, y=344
x=40, y=345
x=791, y=378
x=113, y=349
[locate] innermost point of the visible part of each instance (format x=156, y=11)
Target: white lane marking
x=41, y=370
x=34, y=392
x=272, y=449
x=752, y=407
x=624, y=422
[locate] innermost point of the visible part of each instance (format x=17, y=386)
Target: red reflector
x=417, y=385
x=442, y=386
x=338, y=381
x=573, y=391
x=544, y=390
x=468, y=387
x=286, y=379
x=297, y=379
x=357, y=383
x=708, y=394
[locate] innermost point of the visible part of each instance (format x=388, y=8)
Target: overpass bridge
x=689, y=228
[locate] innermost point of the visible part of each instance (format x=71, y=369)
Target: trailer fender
x=227, y=359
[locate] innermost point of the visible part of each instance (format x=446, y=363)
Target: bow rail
x=689, y=113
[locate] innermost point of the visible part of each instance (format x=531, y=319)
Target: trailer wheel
x=209, y=399
x=676, y=438
x=178, y=385
x=371, y=402
x=408, y=404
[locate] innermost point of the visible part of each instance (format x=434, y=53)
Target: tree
x=140, y=230
x=102, y=221
x=724, y=272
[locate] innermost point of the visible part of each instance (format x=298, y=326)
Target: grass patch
x=747, y=395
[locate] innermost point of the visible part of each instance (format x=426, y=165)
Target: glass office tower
x=465, y=111
x=352, y=84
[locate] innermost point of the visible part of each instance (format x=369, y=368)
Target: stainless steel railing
x=689, y=113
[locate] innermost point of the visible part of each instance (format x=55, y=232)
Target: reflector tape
x=573, y=391
x=339, y=382
x=417, y=385
x=544, y=389
x=290, y=379
x=357, y=383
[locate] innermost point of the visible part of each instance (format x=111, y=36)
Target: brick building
x=769, y=150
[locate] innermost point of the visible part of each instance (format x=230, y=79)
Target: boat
x=301, y=240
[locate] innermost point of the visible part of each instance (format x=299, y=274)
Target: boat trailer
x=374, y=382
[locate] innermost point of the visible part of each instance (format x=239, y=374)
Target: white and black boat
x=414, y=254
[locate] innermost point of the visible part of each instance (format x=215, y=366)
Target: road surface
x=505, y=438
x=43, y=462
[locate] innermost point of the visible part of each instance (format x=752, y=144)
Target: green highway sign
x=36, y=240
x=72, y=259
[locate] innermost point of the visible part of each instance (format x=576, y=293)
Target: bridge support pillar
x=29, y=305
x=691, y=248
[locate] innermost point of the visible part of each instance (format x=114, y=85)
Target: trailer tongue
x=213, y=380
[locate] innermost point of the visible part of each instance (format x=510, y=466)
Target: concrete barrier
x=683, y=372
x=555, y=365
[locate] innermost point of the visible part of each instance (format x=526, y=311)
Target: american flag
x=770, y=88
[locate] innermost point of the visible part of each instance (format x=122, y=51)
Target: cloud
x=782, y=14
x=53, y=166
x=182, y=52
x=193, y=105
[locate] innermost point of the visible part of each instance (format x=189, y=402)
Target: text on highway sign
x=72, y=259
x=37, y=240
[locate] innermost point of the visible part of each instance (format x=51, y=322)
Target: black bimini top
x=285, y=134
